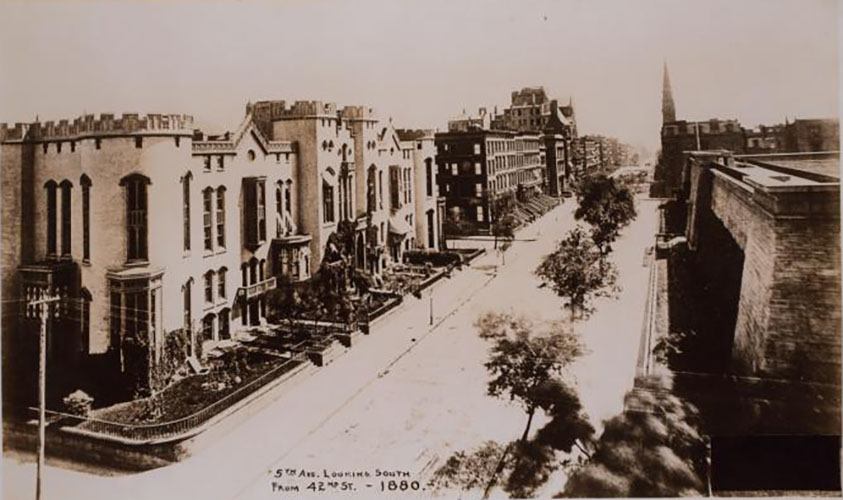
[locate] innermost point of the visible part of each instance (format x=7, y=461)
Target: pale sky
x=422, y=62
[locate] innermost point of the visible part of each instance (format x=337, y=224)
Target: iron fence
x=145, y=433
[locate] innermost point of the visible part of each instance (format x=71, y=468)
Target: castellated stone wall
x=105, y=124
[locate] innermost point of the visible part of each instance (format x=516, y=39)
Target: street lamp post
x=431, y=306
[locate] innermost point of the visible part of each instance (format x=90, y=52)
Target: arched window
x=66, y=218
x=185, y=194
x=136, y=217
x=279, y=210
x=51, y=186
x=223, y=324
x=209, y=287
x=288, y=188
x=428, y=176
x=85, y=182
x=221, y=285
x=253, y=271
x=208, y=327
x=371, y=200
x=262, y=270
x=186, y=304
x=327, y=202
x=221, y=217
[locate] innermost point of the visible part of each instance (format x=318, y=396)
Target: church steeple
x=668, y=108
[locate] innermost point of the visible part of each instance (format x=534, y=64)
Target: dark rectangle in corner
x=763, y=463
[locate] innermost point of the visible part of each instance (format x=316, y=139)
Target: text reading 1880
x=400, y=485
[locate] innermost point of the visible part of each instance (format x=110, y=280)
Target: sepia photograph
x=445, y=249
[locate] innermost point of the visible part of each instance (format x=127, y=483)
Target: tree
x=607, y=206
x=568, y=426
x=470, y=470
x=526, y=367
x=504, y=227
x=576, y=273
x=521, y=363
x=652, y=449
x=504, y=222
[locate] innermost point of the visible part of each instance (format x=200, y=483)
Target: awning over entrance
x=399, y=226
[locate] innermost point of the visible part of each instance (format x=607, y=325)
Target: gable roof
x=232, y=142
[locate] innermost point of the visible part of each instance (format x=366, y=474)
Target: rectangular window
x=250, y=212
x=207, y=216
x=261, y=205
x=188, y=320
x=136, y=317
x=220, y=162
x=477, y=148
x=454, y=169
x=380, y=189
x=479, y=214
x=478, y=189
x=116, y=319
x=477, y=168
x=221, y=217
x=207, y=165
x=221, y=283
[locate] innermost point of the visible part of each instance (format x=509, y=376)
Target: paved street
x=408, y=395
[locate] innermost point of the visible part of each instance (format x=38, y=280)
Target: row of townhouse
x=143, y=225
x=478, y=167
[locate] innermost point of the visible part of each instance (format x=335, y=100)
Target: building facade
x=146, y=227
x=531, y=110
x=477, y=168
x=429, y=206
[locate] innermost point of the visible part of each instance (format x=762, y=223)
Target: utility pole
x=44, y=309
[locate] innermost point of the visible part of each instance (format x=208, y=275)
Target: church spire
x=668, y=108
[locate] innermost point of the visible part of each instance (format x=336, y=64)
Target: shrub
x=78, y=403
x=434, y=258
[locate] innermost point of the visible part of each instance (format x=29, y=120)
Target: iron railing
x=145, y=433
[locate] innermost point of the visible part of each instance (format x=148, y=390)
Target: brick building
x=145, y=226
x=530, y=110
x=478, y=167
